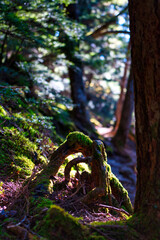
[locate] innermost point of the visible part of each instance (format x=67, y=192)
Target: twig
x=3, y=122
x=99, y=214
x=121, y=210
x=23, y=189
x=14, y=225
x=76, y=191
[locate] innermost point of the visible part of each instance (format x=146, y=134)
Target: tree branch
x=104, y=27
x=121, y=210
x=11, y=34
x=112, y=32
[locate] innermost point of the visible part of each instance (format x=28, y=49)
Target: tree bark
x=126, y=116
x=75, y=71
x=145, y=42
x=78, y=94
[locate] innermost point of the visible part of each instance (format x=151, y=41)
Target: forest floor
x=123, y=166
x=29, y=135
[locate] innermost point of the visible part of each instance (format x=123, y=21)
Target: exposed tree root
x=101, y=181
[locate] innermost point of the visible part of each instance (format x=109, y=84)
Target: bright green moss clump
x=79, y=138
x=58, y=224
x=120, y=193
x=17, y=153
x=81, y=142
x=23, y=165
x=2, y=112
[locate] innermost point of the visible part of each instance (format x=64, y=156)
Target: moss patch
x=80, y=138
x=58, y=224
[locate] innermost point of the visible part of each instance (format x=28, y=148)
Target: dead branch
x=107, y=32
x=104, y=27
x=121, y=210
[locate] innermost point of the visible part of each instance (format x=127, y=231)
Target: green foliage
x=95, y=236
x=21, y=135
x=2, y=111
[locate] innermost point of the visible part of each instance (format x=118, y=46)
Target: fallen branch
x=121, y=210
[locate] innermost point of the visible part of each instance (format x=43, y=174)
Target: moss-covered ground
x=30, y=130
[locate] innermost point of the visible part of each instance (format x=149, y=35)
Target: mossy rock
x=60, y=225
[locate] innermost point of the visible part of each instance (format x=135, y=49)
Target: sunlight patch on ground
x=103, y=130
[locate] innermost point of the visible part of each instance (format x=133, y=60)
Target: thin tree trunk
x=75, y=71
x=78, y=93
x=122, y=93
x=126, y=117
x=121, y=99
x=145, y=42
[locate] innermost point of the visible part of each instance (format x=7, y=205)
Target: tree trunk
x=123, y=84
x=75, y=71
x=78, y=94
x=145, y=42
x=126, y=116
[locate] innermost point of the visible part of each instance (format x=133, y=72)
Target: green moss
x=143, y=224
x=17, y=152
x=95, y=236
x=120, y=193
x=23, y=165
x=17, y=141
x=108, y=167
x=58, y=224
x=2, y=112
x=13, y=98
x=79, y=138
x=40, y=203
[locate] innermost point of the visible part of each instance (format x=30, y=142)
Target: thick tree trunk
x=126, y=116
x=145, y=42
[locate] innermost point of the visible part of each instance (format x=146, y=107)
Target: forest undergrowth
x=30, y=131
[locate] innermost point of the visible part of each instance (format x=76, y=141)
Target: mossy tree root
x=103, y=181
x=72, y=163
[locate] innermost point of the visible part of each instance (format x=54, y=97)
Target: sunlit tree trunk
x=123, y=84
x=145, y=41
x=126, y=116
